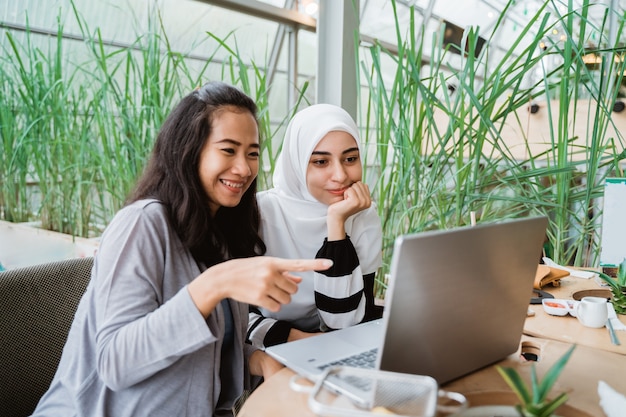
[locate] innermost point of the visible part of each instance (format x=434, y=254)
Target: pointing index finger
x=304, y=264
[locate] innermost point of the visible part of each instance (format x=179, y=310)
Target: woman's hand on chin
x=356, y=199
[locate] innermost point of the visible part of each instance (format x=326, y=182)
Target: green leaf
x=538, y=396
x=549, y=408
x=535, y=405
x=621, y=273
x=553, y=373
x=606, y=278
x=514, y=380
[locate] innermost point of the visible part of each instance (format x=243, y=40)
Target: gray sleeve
x=138, y=332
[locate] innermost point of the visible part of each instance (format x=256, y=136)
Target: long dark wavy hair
x=172, y=177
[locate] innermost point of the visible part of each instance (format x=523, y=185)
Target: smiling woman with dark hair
x=161, y=328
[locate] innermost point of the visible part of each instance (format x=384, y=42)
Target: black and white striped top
x=342, y=296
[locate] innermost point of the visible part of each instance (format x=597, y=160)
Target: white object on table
x=617, y=324
x=573, y=272
x=612, y=402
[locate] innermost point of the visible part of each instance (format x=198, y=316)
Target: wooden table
x=594, y=359
x=567, y=328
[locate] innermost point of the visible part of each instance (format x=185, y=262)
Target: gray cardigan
x=138, y=346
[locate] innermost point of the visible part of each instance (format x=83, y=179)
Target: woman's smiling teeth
x=232, y=184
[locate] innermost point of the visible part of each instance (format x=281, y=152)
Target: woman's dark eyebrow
x=236, y=142
x=328, y=153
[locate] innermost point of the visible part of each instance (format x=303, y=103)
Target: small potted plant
x=618, y=287
x=534, y=399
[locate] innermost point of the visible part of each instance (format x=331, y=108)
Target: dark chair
x=37, y=306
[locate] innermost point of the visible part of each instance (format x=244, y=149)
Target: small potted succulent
x=618, y=287
x=534, y=399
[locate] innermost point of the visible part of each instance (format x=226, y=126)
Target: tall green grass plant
x=45, y=138
x=77, y=128
x=444, y=153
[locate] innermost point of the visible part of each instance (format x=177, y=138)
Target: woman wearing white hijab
x=320, y=207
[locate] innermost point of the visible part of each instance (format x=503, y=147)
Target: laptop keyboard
x=365, y=360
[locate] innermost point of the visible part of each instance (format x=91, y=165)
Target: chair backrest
x=37, y=307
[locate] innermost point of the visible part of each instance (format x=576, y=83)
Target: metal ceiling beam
x=268, y=12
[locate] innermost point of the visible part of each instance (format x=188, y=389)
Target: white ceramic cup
x=592, y=311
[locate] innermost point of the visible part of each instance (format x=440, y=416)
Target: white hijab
x=293, y=222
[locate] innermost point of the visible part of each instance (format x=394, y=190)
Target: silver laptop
x=456, y=302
